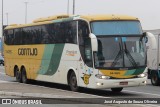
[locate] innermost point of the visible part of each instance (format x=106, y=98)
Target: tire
x=18, y=75
x=24, y=76
x=154, y=79
x=73, y=82
x=117, y=90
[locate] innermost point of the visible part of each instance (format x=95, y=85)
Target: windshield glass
x=120, y=52
x=100, y=28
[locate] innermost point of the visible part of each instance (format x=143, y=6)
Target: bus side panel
x=67, y=61
x=23, y=55
x=71, y=60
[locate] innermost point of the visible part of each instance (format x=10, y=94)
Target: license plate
x=123, y=83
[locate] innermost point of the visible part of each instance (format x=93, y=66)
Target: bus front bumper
x=115, y=83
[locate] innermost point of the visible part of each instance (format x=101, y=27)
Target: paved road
x=50, y=90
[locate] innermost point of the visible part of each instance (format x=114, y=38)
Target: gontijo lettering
x=28, y=51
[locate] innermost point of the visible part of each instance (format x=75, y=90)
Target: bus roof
x=60, y=18
x=108, y=17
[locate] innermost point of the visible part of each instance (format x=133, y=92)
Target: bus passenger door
x=85, y=62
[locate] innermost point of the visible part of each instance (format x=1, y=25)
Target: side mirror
x=94, y=42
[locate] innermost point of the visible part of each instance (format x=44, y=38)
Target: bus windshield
x=116, y=28
x=119, y=47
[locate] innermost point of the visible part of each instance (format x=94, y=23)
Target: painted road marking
x=142, y=93
x=1, y=81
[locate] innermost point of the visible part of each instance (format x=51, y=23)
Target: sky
x=148, y=11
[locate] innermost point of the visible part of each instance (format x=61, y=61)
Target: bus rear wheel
x=73, y=82
x=18, y=75
x=117, y=90
x=24, y=76
x=154, y=79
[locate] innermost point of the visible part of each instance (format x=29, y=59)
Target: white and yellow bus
x=92, y=51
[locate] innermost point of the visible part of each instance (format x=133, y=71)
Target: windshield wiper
x=119, y=55
x=131, y=59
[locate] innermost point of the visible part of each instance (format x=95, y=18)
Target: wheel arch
x=69, y=73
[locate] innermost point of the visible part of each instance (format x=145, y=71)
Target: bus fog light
x=145, y=82
x=99, y=84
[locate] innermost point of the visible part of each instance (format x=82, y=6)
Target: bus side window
x=45, y=35
x=57, y=33
x=26, y=37
x=16, y=38
x=71, y=32
x=9, y=34
x=85, y=43
x=51, y=31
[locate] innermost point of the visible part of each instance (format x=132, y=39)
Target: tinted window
x=14, y=38
x=9, y=35
x=65, y=32
x=71, y=32
x=26, y=37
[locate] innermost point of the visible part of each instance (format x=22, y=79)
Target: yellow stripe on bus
x=116, y=73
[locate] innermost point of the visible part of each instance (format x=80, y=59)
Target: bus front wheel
x=73, y=82
x=116, y=89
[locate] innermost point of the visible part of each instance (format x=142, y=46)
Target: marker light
x=99, y=84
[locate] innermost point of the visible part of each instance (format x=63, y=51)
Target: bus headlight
x=99, y=76
x=142, y=75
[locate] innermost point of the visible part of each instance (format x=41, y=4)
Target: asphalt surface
x=9, y=87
